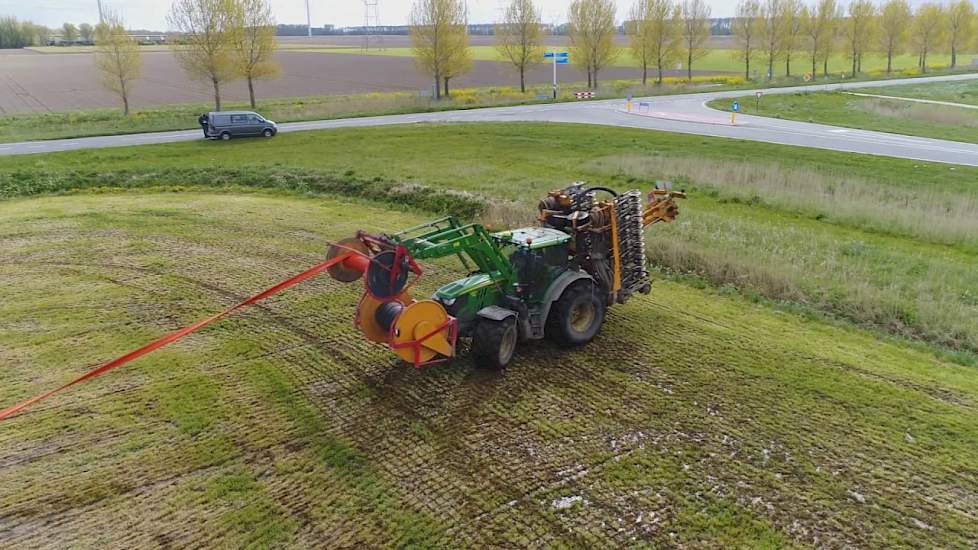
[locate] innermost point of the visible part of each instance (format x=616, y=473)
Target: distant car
x=228, y=124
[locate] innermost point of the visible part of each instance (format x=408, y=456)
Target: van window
x=221, y=120
x=239, y=119
x=254, y=119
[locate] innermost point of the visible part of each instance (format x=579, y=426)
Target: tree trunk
x=889, y=60
x=747, y=66
x=689, y=66
x=589, y=77
x=523, y=79
x=437, y=86
x=854, y=64
x=595, y=77
x=251, y=92
x=814, y=66
x=787, y=66
x=770, y=66
x=658, y=81
x=447, y=94
x=645, y=73
x=825, y=66
x=954, y=56
x=125, y=103
x=217, y=94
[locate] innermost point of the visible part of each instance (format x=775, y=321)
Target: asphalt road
x=676, y=113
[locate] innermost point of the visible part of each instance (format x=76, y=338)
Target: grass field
x=872, y=113
x=720, y=60
x=846, y=235
x=696, y=419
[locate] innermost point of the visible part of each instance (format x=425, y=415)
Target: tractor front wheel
x=576, y=316
x=493, y=343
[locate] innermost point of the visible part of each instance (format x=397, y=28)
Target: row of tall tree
x=84, y=32
x=662, y=33
x=780, y=31
x=221, y=41
x=441, y=44
x=20, y=34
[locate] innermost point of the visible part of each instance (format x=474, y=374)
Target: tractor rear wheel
x=493, y=343
x=576, y=316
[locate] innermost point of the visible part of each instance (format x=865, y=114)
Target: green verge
x=874, y=113
x=695, y=419
x=847, y=235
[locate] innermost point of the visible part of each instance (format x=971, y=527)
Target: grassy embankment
x=696, y=418
x=885, y=243
x=875, y=113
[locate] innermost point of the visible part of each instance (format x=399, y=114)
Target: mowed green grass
x=875, y=113
x=885, y=243
x=716, y=60
x=696, y=418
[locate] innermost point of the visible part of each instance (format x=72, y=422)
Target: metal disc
x=341, y=272
x=379, y=283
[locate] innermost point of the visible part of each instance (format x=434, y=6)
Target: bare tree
x=894, y=26
x=960, y=27
x=591, y=26
x=117, y=57
x=519, y=38
x=437, y=30
x=254, y=43
x=86, y=32
x=792, y=29
x=694, y=18
x=208, y=28
x=746, y=28
x=652, y=35
x=772, y=33
x=459, y=55
x=928, y=31
x=860, y=29
x=69, y=32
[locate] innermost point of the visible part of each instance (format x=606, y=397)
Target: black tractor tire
x=225, y=136
x=494, y=343
x=576, y=317
x=268, y=132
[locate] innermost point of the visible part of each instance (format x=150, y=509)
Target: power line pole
x=371, y=23
x=308, y=20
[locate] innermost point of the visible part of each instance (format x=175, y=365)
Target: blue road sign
x=548, y=54
x=558, y=55
x=562, y=61
x=563, y=54
x=735, y=107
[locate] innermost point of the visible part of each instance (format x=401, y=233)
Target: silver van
x=228, y=124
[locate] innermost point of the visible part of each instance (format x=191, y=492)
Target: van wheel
x=268, y=132
x=225, y=136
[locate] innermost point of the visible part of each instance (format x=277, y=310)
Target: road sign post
x=757, y=103
x=559, y=58
x=734, y=109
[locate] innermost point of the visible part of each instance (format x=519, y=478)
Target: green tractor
x=551, y=281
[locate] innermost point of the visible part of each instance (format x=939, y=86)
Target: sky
x=151, y=14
